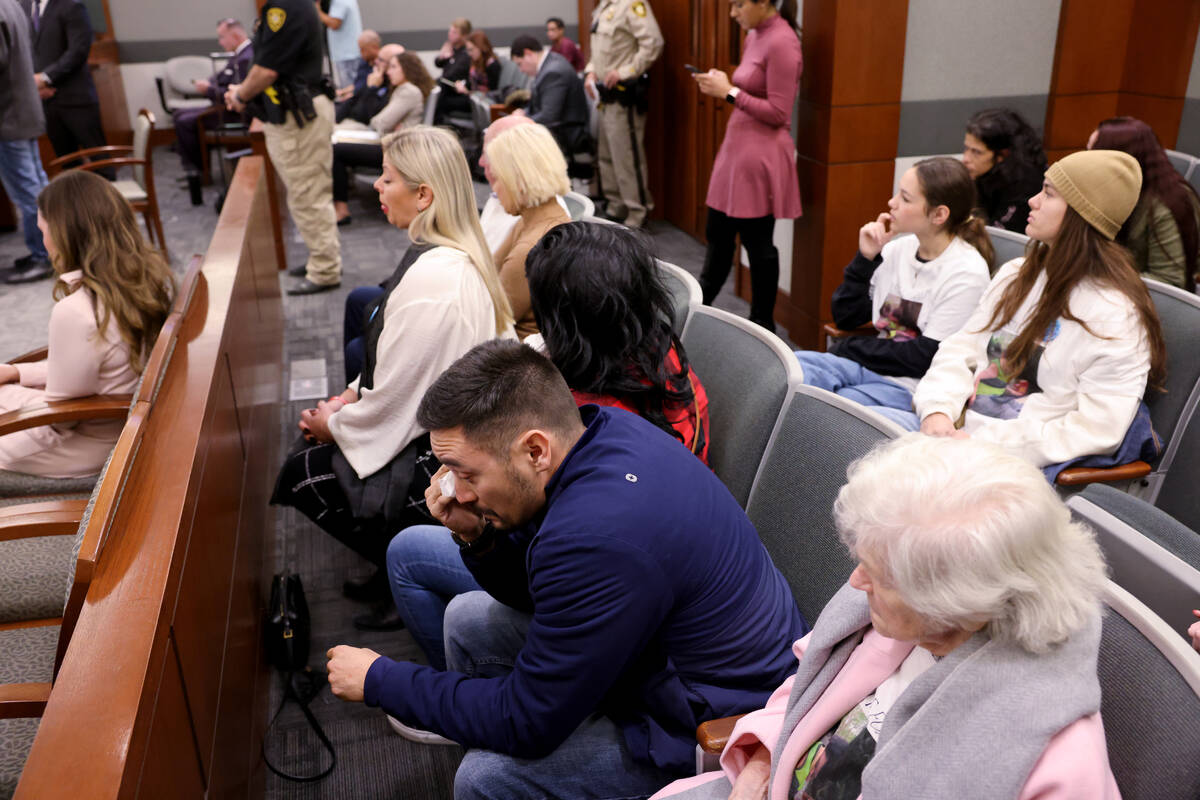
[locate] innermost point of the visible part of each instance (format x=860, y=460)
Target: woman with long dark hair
x=112, y=295
x=604, y=316
x=1004, y=155
x=1163, y=232
x=754, y=178
x=1055, y=360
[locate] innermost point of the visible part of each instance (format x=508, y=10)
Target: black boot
x=193, y=182
x=764, y=285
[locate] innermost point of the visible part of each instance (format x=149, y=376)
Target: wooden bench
x=162, y=690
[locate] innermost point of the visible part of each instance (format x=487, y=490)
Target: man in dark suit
x=231, y=38
x=556, y=98
x=62, y=37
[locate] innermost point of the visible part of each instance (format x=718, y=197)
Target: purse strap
x=290, y=693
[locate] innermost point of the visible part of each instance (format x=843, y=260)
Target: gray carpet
x=372, y=762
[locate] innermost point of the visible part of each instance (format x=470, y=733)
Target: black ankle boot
x=193, y=182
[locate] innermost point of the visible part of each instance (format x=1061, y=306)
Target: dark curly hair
x=606, y=317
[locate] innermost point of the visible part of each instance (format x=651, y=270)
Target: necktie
x=37, y=17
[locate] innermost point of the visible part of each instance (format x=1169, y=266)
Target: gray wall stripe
x=936, y=126
x=161, y=49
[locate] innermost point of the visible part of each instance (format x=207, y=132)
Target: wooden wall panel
x=171, y=741
x=1132, y=58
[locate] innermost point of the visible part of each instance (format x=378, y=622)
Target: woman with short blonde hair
x=361, y=474
x=113, y=294
x=527, y=172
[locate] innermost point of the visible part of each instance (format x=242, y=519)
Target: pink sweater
x=82, y=360
x=1074, y=765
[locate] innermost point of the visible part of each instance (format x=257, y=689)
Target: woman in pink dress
x=754, y=178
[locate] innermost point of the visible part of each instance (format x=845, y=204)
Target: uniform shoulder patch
x=639, y=8
x=277, y=16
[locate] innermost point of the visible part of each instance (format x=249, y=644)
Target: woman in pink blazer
x=754, y=177
x=113, y=294
x=959, y=660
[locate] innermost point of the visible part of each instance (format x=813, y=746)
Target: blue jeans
x=354, y=326
x=23, y=178
x=483, y=639
x=855, y=382
x=425, y=572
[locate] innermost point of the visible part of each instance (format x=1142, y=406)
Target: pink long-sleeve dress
x=82, y=360
x=755, y=171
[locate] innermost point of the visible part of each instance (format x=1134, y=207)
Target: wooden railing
x=161, y=692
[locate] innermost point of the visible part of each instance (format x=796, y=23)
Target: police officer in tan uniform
x=286, y=90
x=625, y=41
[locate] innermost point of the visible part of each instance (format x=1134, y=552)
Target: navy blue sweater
x=653, y=602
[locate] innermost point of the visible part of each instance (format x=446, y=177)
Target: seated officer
x=627, y=597
x=231, y=38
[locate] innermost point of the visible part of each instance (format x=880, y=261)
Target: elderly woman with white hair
x=960, y=658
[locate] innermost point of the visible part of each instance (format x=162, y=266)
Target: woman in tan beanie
x=1054, y=362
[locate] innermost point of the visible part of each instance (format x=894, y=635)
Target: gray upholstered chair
x=1172, y=412
x=746, y=372
x=817, y=436
x=685, y=292
x=579, y=206
x=431, y=105
x=1007, y=244
x=1149, y=553
x=1150, y=685
x=175, y=89
x=1182, y=162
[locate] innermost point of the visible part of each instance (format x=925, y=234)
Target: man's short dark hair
x=557, y=21
x=495, y=392
x=522, y=43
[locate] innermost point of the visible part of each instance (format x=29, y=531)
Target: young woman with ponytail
x=1054, y=362
x=917, y=290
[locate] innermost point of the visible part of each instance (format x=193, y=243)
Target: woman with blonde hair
x=361, y=470
x=113, y=294
x=527, y=172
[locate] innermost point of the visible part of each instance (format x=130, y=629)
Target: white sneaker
x=416, y=734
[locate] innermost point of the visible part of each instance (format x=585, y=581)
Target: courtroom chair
x=1182, y=162
x=1150, y=702
x=579, y=206
x=138, y=191
x=175, y=89
x=1150, y=554
x=817, y=436
x=1172, y=411
x=225, y=134
x=1007, y=244
x=832, y=332
x=431, y=105
x=684, y=289
x=31, y=652
x=746, y=371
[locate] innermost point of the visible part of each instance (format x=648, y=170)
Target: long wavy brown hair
x=415, y=72
x=1078, y=253
x=93, y=230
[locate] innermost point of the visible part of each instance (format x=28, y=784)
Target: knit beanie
x=1102, y=186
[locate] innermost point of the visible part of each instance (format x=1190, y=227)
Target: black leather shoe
x=298, y=272
x=306, y=287
x=34, y=271
x=372, y=589
x=383, y=617
x=344, y=221
x=25, y=261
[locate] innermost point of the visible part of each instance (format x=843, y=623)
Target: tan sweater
x=510, y=259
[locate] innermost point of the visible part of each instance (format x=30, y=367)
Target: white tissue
x=446, y=484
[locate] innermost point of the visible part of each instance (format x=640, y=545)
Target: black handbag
x=287, y=634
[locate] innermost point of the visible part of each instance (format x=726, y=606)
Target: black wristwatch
x=731, y=98
x=480, y=544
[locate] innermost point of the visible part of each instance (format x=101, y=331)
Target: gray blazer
x=22, y=117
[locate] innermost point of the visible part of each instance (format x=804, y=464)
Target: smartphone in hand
x=690, y=68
